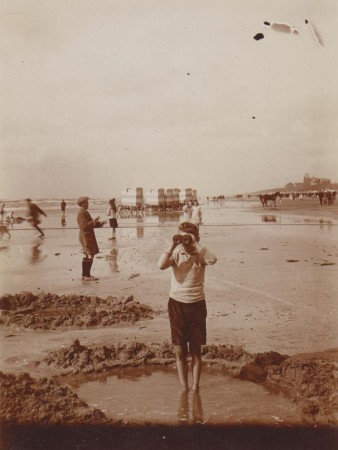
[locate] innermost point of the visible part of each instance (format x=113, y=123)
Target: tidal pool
x=152, y=396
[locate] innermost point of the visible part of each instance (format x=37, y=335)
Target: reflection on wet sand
x=63, y=219
x=36, y=254
x=197, y=408
x=139, y=228
x=114, y=252
x=269, y=218
x=325, y=222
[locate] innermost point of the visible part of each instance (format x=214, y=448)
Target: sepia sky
x=100, y=95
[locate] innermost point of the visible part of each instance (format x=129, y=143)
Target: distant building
x=309, y=183
x=314, y=182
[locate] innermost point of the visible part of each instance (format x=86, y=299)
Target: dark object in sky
x=259, y=36
x=267, y=23
x=306, y=21
x=253, y=117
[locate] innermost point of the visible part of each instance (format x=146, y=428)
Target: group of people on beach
x=192, y=212
x=187, y=259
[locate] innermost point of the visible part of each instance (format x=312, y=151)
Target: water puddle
x=148, y=395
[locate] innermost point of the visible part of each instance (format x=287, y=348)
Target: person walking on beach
x=87, y=237
x=196, y=215
x=187, y=306
x=63, y=213
x=112, y=210
x=33, y=214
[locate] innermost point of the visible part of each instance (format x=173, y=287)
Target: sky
x=99, y=95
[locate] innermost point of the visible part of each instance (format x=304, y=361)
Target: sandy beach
x=273, y=289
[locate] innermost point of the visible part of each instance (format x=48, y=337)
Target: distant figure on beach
x=112, y=210
x=2, y=212
x=321, y=196
x=63, y=213
x=9, y=219
x=187, y=211
x=87, y=237
x=196, y=215
x=33, y=216
x=187, y=306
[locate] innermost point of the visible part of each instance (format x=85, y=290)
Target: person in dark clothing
x=2, y=212
x=33, y=214
x=63, y=206
x=87, y=237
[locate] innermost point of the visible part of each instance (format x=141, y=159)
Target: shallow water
x=149, y=395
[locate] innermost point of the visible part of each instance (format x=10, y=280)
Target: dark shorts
x=113, y=223
x=188, y=322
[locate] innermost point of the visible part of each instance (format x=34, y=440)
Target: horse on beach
x=264, y=198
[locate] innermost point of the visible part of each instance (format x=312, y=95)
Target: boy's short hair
x=190, y=228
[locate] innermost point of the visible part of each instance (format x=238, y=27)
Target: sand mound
x=94, y=359
x=43, y=401
x=50, y=311
x=311, y=381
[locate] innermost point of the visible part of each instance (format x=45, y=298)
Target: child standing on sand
x=112, y=210
x=187, y=306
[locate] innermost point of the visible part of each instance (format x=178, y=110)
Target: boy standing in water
x=187, y=306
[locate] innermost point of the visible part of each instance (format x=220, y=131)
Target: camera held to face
x=182, y=239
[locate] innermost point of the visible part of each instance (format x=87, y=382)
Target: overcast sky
x=100, y=95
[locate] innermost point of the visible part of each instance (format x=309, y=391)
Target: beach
x=273, y=289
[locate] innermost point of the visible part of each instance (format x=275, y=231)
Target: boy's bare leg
x=196, y=367
x=182, y=366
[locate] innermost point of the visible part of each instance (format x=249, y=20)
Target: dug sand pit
x=25, y=400
x=51, y=311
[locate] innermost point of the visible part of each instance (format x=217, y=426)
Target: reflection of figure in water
x=139, y=229
x=34, y=213
x=63, y=213
x=187, y=306
x=4, y=230
x=112, y=210
x=36, y=254
x=63, y=219
x=183, y=409
x=197, y=408
x=87, y=237
x=113, y=260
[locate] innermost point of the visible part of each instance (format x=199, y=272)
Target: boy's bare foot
x=195, y=388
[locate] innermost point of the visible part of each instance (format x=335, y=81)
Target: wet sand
x=274, y=286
